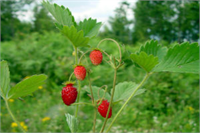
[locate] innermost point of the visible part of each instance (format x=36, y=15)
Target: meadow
x=170, y=103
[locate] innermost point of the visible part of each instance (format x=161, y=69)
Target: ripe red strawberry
x=96, y=57
x=80, y=72
x=103, y=109
x=69, y=94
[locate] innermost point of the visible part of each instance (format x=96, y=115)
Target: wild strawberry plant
x=152, y=57
x=23, y=88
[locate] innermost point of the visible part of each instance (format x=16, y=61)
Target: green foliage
x=181, y=58
x=97, y=92
x=26, y=58
x=76, y=38
x=72, y=122
x=24, y=88
x=40, y=23
x=168, y=104
x=78, y=34
x=89, y=26
x=11, y=26
x=124, y=90
x=62, y=15
x=166, y=20
x=152, y=47
x=147, y=62
x=27, y=86
x=5, y=79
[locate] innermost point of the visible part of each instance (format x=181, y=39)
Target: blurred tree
x=120, y=25
x=166, y=20
x=42, y=22
x=9, y=21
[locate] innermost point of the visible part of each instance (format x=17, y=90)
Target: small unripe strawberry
x=69, y=94
x=96, y=57
x=80, y=72
x=103, y=109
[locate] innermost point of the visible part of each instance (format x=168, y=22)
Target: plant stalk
x=95, y=117
x=111, y=99
x=79, y=91
x=141, y=83
x=79, y=83
x=13, y=117
x=93, y=102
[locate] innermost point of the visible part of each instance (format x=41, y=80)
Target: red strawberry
x=103, y=109
x=96, y=57
x=69, y=94
x=80, y=72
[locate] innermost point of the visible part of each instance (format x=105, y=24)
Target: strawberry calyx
x=69, y=83
x=98, y=49
x=74, y=66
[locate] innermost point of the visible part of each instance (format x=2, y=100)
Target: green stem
x=112, y=94
x=79, y=91
x=91, y=88
x=83, y=103
x=110, y=39
x=71, y=76
x=94, y=104
x=76, y=55
x=141, y=83
x=82, y=56
x=95, y=117
x=79, y=83
x=13, y=117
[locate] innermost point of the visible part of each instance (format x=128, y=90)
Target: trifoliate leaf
x=182, y=58
x=152, y=47
x=72, y=122
x=124, y=90
x=90, y=27
x=147, y=62
x=4, y=79
x=76, y=37
x=27, y=86
x=62, y=15
x=95, y=91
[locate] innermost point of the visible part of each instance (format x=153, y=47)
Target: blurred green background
x=170, y=104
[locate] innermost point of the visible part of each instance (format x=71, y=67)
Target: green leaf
x=5, y=79
x=152, y=47
x=72, y=122
x=27, y=86
x=90, y=27
x=147, y=62
x=124, y=90
x=59, y=26
x=62, y=15
x=75, y=37
x=182, y=58
x=95, y=90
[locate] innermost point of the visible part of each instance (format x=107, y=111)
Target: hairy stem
x=13, y=117
x=79, y=83
x=110, y=39
x=94, y=121
x=111, y=99
x=83, y=103
x=141, y=83
x=93, y=102
x=79, y=91
x=76, y=55
x=82, y=56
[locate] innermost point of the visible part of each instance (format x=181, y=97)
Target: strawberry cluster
x=69, y=93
